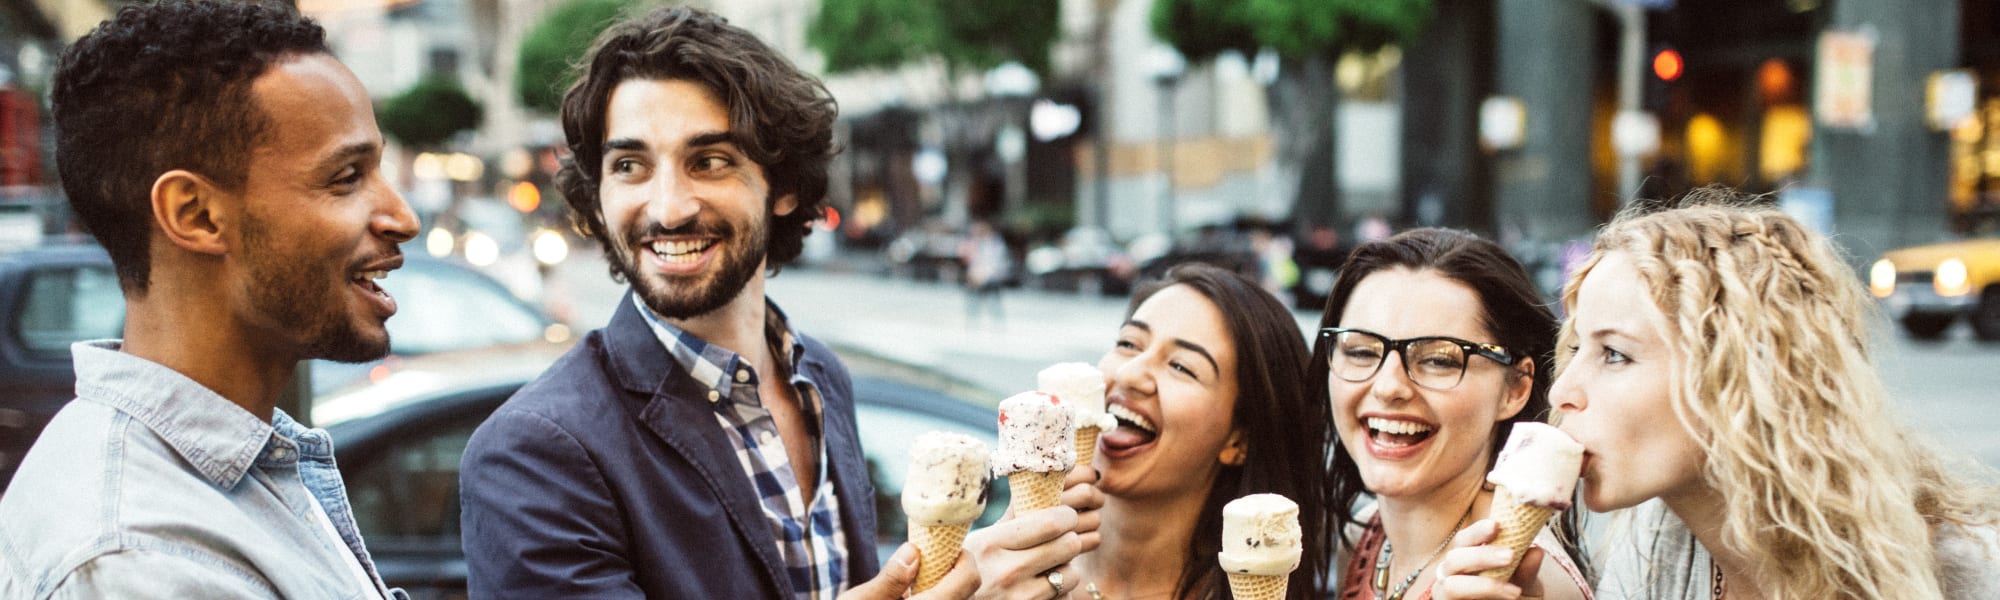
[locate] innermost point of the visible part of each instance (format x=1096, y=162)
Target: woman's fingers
x=1015, y=557
x=1083, y=495
x=1457, y=576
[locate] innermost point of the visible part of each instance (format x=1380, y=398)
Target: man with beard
x=697, y=446
x=229, y=166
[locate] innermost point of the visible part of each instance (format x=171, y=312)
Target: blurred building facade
x=1878, y=120
x=1833, y=106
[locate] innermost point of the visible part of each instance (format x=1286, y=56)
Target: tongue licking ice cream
x=1037, y=448
x=944, y=494
x=1260, y=545
x=1081, y=386
x=1533, y=478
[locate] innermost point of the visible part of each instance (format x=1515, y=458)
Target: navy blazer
x=609, y=477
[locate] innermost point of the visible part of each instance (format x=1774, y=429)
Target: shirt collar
x=218, y=438
x=715, y=366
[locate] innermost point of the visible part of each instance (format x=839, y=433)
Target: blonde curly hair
x=1776, y=382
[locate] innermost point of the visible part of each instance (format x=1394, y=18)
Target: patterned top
x=809, y=535
x=1354, y=582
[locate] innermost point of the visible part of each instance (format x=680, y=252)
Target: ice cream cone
x=1519, y=524
x=1086, y=445
x=939, y=546
x=1245, y=586
x=1036, y=490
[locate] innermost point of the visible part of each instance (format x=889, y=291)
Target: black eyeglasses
x=1436, y=362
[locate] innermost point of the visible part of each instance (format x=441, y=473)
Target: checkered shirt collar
x=711, y=364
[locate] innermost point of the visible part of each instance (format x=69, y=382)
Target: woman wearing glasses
x=1717, y=358
x=1433, y=344
x=1206, y=380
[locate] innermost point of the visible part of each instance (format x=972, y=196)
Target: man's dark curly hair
x=161, y=87
x=778, y=115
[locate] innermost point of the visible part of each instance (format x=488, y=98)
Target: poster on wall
x=1843, y=95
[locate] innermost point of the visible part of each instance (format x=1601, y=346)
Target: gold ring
x=1055, y=582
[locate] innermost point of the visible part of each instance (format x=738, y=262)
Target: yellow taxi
x=1926, y=288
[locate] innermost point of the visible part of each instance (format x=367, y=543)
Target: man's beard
x=287, y=290
x=688, y=296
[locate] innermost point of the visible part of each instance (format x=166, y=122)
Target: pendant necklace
x=1388, y=554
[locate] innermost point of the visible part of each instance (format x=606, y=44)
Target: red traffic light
x=1667, y=65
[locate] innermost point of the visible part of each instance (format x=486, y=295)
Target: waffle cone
x=1519, y=524
x=939, y=546
x=1245, y=586
x=1034, y=490
x=1086, y=445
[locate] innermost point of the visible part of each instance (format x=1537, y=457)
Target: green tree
x=430, y=112
x=858, y=35
x=1309, y=37
x=556, y=43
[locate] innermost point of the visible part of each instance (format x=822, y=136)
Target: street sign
x=1950, y=96
x=1844, y=81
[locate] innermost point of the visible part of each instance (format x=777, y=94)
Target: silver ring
x=1056, y=581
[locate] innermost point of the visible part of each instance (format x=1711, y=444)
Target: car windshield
x=440, y=308
x=64, y=305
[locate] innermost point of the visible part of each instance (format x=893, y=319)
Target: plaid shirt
x=809, y=536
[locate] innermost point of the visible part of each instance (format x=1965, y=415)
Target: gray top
x=1658, y=558
x=149, y=485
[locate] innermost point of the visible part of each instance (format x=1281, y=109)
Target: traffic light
x=1668, y=67
x=1667, y=64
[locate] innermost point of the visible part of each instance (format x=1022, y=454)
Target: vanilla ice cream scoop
x=947, y=479
x=1260, y=535
x=1037, y=434
x=1081, y=386
x=1539, y=465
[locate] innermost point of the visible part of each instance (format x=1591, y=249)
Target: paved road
x=1949, y=389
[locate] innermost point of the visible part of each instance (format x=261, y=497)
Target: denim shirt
x=149, y=485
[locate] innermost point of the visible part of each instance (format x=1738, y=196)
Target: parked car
x=64, y=290
x=443, y=306
x=1927, y=288
x=53, y=294
x=927, y=254
x=399, y=441
x=1085, y=260
x=1224, y=247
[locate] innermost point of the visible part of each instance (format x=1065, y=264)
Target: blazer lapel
x=676, y=409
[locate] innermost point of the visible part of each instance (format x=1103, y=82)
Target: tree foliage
x=968, y=36
x=430, y=112
x=1295, y=29
x=555, y=44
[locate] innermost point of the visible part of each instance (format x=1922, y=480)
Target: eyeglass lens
x=1432, y=363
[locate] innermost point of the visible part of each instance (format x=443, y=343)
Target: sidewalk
x=919, y=328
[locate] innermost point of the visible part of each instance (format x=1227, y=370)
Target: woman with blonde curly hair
x=1717, y=358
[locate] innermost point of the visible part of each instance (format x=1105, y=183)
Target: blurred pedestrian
x=1471, y=342
x=698, y=446
x=987, y=267
x=1206, y=379
x=229, y=165
x=1719, y=373
x=1276, y=270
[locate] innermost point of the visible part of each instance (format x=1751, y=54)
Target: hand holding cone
x=1534, y=478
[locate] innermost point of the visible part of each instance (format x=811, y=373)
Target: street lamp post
x=1166, y=67
x=1013, y=84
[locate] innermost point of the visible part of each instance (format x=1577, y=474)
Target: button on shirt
x=809, y=535
x=149, y=485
